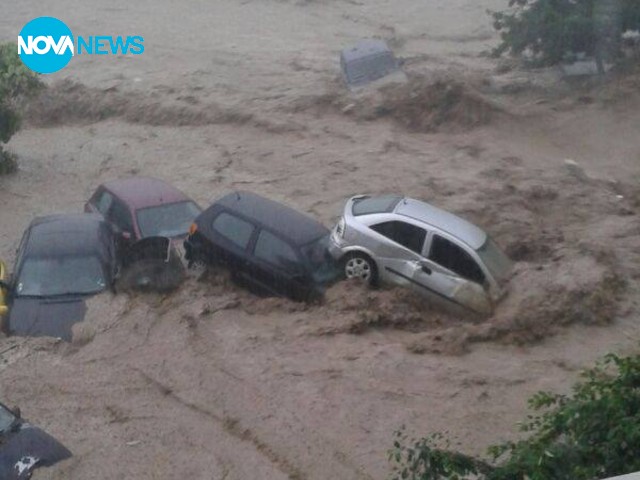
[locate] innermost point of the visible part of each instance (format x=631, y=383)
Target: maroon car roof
x=142, y=192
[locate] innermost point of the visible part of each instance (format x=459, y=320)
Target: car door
x=276, y=267
x=450, y=271
x=400, y=253
x=119, y=215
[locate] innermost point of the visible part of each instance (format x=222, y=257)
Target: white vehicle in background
x=407, y=242
x=370, y=62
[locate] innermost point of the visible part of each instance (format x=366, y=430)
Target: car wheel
x=361, y=266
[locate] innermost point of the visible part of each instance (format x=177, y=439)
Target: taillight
x=340, y=228
x=193, y=228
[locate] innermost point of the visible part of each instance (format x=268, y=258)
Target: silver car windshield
x=369, y=205
x=495, y=260
x=60, y=276
x=169, y=220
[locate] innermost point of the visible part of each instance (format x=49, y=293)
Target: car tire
x=361, y=266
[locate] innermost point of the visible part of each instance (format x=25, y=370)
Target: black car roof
x=59, y=235
x=296, y=227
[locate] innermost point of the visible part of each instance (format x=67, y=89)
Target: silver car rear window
x=369, y=205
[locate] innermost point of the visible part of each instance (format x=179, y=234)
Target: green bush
x=17, y=82
x=590, y=434
x=550, y=30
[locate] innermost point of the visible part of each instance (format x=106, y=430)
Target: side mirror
x=16, y=411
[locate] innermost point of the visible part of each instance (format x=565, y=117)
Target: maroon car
x=142, y=207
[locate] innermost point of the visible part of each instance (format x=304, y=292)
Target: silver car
x=411, y=243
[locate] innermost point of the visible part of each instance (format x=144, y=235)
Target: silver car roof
x=446, y=221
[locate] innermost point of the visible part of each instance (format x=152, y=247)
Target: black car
x=64, y=259
x=61, y=260
x=267, y=246
x=25, y=447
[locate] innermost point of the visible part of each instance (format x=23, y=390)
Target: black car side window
x=121, y=217
x=234, y=229
x=405, y=234
x=454, y=258
x=277, y=252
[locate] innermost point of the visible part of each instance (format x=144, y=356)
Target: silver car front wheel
x=360, y=266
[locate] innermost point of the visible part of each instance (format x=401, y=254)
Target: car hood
x=27, y=448
x=46, y=317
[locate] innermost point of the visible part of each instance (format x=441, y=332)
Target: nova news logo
x=46, y=45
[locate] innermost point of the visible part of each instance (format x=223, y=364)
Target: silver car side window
x=407, y=235
x=455, y=258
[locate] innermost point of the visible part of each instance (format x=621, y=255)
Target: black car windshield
x=6, y=419
x=497, y=262
x=323, y=268
x=60, y=276
x=169, y=220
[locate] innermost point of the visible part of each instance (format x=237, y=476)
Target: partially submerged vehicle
x=407, y=242
x=369, y=61
x=143, y=207
x=61, y=261
x=25, y=447
x=269, y=247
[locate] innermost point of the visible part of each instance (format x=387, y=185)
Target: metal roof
x=142, y=192
x=446, y=221
x=289, y=223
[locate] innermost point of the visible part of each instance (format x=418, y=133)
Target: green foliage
x=16, y=80
x=16, y=83
x=431, y=458
x=550, y=30
x=592, y=433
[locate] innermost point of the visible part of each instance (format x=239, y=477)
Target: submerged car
x=407, y=242
x=64, y=259
x=61, y=260
x=370, y=61
x=267, y=246
x=25, y=447
x=142, y=207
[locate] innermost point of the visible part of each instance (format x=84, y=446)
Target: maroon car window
x=103, y=202
x=454, y=258
x=121, y=217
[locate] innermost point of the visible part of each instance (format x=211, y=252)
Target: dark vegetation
x=548, y=31
x=591, y=433
x=17, y=82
